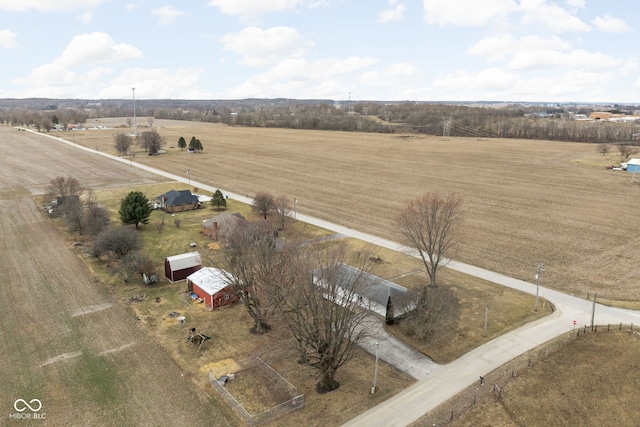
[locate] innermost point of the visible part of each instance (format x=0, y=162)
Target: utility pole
x=295, y=208
x=135, y=126
x=539, y=270
x=375, y=372
x=593, y=309
x=486, y=321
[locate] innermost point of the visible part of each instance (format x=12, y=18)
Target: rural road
x=438, y=383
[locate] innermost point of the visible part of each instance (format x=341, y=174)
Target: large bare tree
x=428, y=225
x=282, y=206
x=321, y=308
x=151, y=141
x=263, y=203
x=254, y=267
x=122, y=143
x=64, y=187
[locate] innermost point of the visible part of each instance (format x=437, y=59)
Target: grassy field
x=526, y=202
x=589, y=380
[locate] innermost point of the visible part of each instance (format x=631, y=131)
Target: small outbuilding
x=211, y=285
x=177, y=201
x=633, y=165
x=178, y=267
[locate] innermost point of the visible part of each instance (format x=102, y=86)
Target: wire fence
x=491, y=387
x=274, y=383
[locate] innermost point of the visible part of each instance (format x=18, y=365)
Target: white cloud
x=299, y=78
x=96, y=48
x=46, y=76
x=166, y=14
x=466, y=13
x=547, y=58
x=156, y=83
x=579, y=4
x=504, y=45
x=259, y=47
x=551, y=17
x=610, y=24
x=492, y=79
x=86, y=18
x=251, y=10
x=48, y=5
x=396, y=13
x=8, y=39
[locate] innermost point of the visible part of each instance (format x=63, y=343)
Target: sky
x=376, y=50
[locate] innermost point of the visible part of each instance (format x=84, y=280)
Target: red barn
x=211, y=285
x=178, y=267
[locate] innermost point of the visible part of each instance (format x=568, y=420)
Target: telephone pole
x=539, y=270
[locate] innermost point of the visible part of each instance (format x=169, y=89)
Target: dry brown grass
x=525, y=201
x=586, y=381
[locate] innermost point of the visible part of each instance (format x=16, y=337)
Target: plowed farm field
x=526, y=202
x=68, y=349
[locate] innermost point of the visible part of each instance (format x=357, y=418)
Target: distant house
x=221, y=227
x=177, y=201
x=633, y=165
x=178, y=267
x=210, y=284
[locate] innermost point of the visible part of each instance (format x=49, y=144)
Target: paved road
x=440, y=383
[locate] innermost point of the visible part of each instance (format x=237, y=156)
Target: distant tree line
x=480, y=121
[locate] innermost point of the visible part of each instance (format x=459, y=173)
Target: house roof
x=177, y=198
x=375, y=289
x=224, y=220
x=211, y=280
x=186, y=260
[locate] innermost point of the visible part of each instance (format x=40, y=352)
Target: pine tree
x=390, y=317
x=182, y=144
x=135, y=209
x=218, y=200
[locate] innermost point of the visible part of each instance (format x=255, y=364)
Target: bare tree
x=151, y=141
x=321, y=309
x=436, y=311
x=122, y=143
x=626, y=150
x=63, y=187
x=263, y=203
x=254, y=266
x=604, y=149
x=428, y=225
x=282, y=206
x=117, y=241
x=150, y=121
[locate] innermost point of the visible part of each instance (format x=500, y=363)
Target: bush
x=116, y=241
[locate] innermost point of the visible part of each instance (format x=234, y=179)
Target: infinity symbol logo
x=24, y=405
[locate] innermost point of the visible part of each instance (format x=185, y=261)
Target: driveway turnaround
x=439, y=383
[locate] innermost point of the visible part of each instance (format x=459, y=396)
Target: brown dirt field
x=525, y=201
x=63, y=338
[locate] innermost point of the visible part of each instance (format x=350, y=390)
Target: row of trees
x=194, y=144
x=151, y=141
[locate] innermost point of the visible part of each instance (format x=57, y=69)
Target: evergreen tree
x=135, y=209
x=182, y=143
x=192, y=143
x=389, y=317
x=218, y=200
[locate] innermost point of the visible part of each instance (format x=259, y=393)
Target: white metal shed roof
x=211, y=280
x=182, y=261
